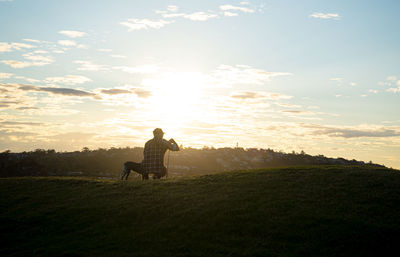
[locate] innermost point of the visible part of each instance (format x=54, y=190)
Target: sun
x=176, y=98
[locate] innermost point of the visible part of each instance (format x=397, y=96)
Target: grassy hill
x=303, y=211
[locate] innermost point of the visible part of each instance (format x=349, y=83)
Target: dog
x=128, y=166
x=137, y=167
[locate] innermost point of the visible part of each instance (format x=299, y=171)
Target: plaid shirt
x=154, y=151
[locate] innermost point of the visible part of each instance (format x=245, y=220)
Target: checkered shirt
x=154, y=151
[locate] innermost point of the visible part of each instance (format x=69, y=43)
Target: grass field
x=303, y=211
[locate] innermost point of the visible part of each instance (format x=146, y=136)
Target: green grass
x=302, y=211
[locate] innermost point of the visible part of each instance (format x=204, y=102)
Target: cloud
x=392, y=83
x=17, y=64
x=40, y=52
x=6, y=47
x=58, y=91
x=352, y=132
x=20, y=46
x=68, y=79
x=229, y=7
x=320, y=15
x=171, y=15
x=31, y=80
x=35, y=60
x=72, y=33
x=117, y=56
x=89, y=66
x=19, y=123
x=246, y=95
x=200, y=16
x=230, y=14
x=115, y=91
x=172, y=8
x=5, y=75
x=227, y=10
x=140, y=92
x=31, y=40
x=298, y=112
x=373, y=91
x=65, y=91
x=138, y=24
x=8, y=103
x=67, y=42
x=82, y=46
x=393, y=89
x=226, y=75
x=147, y=69
x=27, y=108
x=285, y=105
x=39, y=60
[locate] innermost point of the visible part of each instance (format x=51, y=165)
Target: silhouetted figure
x=154, y=151
x=153, y=162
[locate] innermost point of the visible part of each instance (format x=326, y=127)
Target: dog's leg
x=127, y=174
x=121, y=176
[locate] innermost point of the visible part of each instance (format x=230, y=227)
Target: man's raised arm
x=173, y=146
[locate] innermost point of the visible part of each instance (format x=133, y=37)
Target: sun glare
x=176, y=98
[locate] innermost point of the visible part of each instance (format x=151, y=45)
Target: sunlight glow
x=176, y=99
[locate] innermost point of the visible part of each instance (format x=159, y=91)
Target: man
x=154, y=151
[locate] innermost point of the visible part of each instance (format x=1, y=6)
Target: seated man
x=154, y=150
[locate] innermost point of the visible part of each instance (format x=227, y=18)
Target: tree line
x=187, y=162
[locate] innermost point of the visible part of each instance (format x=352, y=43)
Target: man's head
x=158, y=133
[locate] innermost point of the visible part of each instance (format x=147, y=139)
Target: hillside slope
x=309, y=211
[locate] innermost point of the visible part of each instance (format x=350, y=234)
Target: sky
x=312, y=75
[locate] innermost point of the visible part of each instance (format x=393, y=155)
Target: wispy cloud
x=229, y=7
x=251, y=95
x=89, y=66
x=67, y=42
x=139, y=24
x=392, y=82
x=21, y=64
x=394, y=89
x=140, y=92
x=8, y=47
x=115, y=91
x=118, y=56
x=200, y=16
x=230, y=14
x=320, y=15
x=39, y=60
x=34, y=60
x=58, y=91
x=5, y=75
x=5, y=47
x=352, y=131
x=242, y=74
x=138, y=69
x=72, y=33
x=172, y=8
x=68, y=80
x=31, y=40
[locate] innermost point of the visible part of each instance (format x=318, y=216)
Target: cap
x=158, y=131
